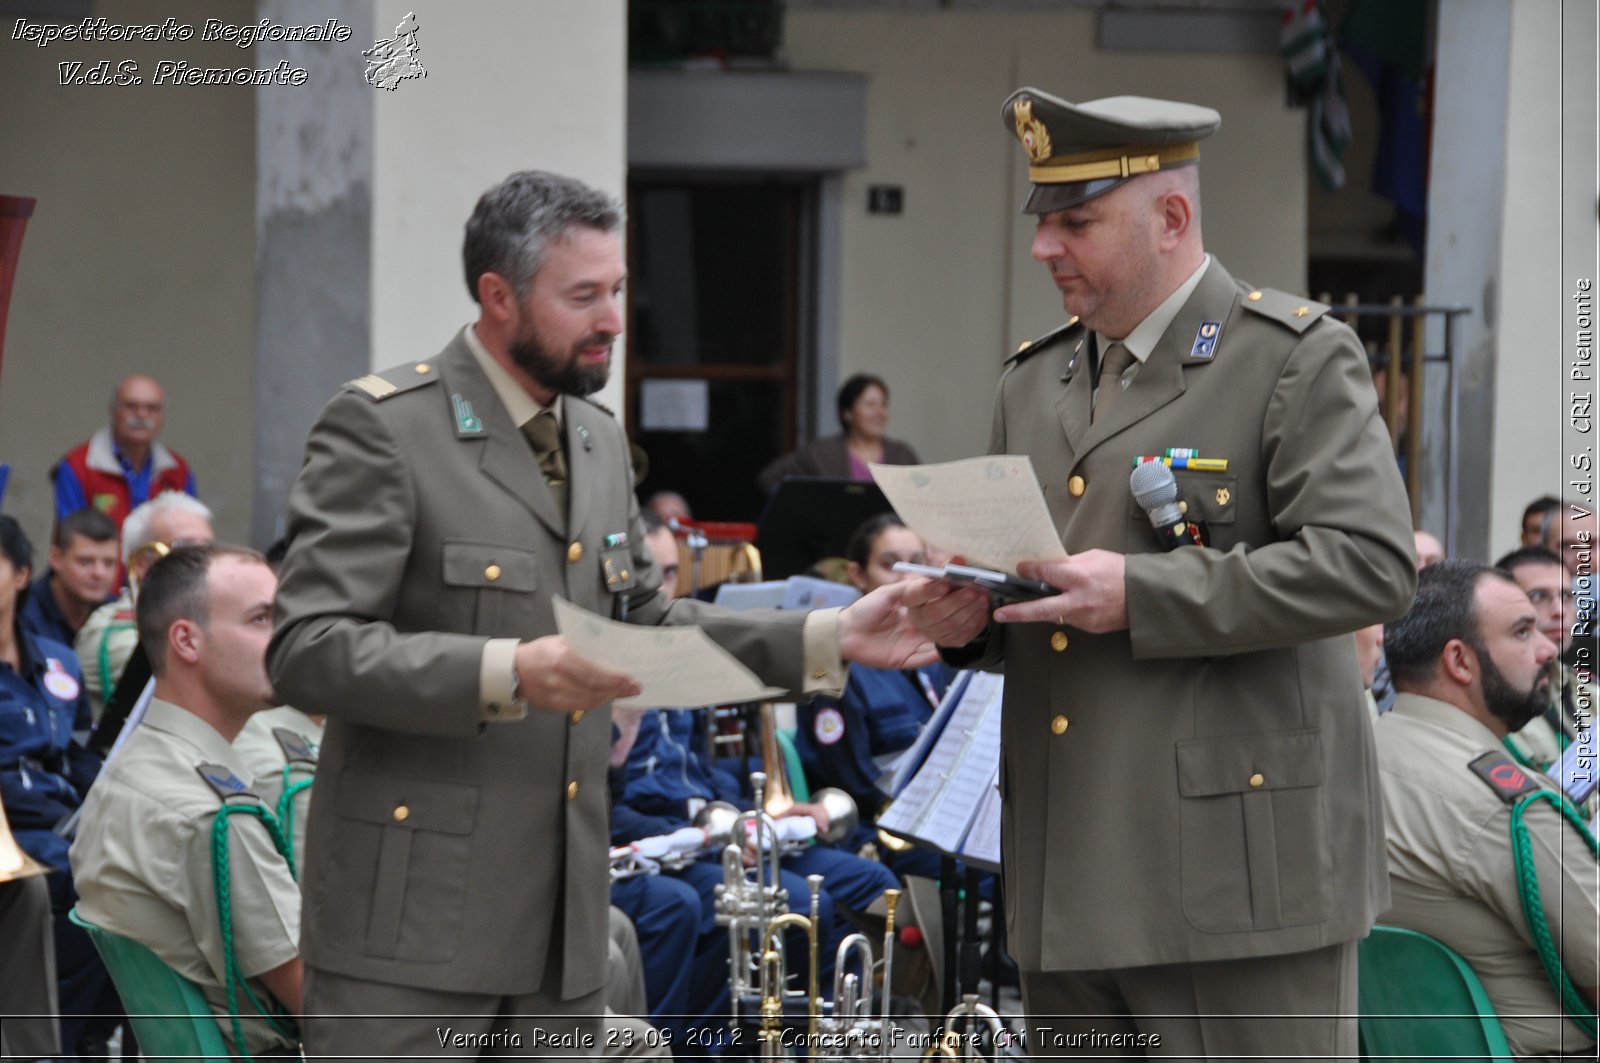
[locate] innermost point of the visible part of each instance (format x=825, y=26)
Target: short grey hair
x=515, y=222
x=136, y=529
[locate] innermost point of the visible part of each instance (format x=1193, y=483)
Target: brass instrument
x=154, y=550
x=774, y=975
x=843, y=816
x=749, y=899
x=973, y=1015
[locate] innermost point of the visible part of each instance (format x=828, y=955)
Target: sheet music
x=937, y=806
x=989, y=510
x=907, y=763
x=982, y=844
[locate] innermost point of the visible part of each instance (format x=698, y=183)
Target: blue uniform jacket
x=664, y=771
x=44, y=773
x=880, y=712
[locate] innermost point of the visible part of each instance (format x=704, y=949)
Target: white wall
x=139, y=257
x=1548, y=240
x=935, y=298
x=511, y=85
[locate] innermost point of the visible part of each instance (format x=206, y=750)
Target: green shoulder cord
x=107, y=681
x=220, y=866
x=1576, y=1007
x=286, y=803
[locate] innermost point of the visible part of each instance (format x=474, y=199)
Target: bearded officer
x=456, y=852
x=1192, y=827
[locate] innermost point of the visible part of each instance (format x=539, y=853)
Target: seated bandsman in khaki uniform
x=279, y=747
x=144, y=853
x=1471, y=667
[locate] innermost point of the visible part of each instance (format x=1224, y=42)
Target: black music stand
x=812, y=517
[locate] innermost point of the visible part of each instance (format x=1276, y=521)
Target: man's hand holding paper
x=670, y=667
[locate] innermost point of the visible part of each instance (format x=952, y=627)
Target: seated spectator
x=864, y=415
x=1472, y=667
x=44, y=774
x=1572, y=704
x=123, y=465
x=670, y=507
x=1429, y=548
x=82, y=575
x=144, y=851
x=1536, y=517
x=852, y=741
x=1369, y=655
x=108, y=637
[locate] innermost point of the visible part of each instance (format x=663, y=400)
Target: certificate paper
x=989, y=510
x=677, y=667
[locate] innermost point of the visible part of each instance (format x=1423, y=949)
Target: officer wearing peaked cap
x=1192, y=827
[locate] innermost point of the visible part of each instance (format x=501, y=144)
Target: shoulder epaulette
x=1292, y=311
x=297, y=748
x=1504, y=776
x=391, y=382
x=222, y=779
x=1033, y=347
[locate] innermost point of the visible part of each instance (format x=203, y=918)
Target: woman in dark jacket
x=863, y=414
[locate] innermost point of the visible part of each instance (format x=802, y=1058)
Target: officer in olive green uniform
x=142, y=861
x=456, y=854
x=1191, y=826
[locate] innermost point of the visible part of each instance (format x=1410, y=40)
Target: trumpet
x=975, y=1017
x=748, y=900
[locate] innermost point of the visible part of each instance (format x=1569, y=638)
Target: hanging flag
x=1311, y=61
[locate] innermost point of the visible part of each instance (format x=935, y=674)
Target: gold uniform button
x=574, y=553
x=423, y=368
x=1257, y=781
x=577, y=716
x=1183, y=507
x=401, y=813
x=572, y=790
x=1058, y=641
x=1059, y=725
x=491, y=573
x=1076, y=487
x=1254, y=297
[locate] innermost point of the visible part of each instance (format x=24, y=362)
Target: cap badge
x=1034, y=136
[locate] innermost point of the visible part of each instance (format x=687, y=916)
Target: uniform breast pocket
x=401, y=857
x=1253, y=850
x=501, y=580
x=1208, y=500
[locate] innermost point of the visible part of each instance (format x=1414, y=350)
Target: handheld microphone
x=1156, y=491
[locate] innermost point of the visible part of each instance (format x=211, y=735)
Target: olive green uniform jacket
x=1202, y=786
x=444, y=851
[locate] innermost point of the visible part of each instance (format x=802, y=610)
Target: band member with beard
x=1471, y=666
x=456, y=873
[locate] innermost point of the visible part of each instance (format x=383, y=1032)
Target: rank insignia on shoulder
x=391, y=382
x=1505, y=777
x=222, y=779
x=1205, y=340
x=296, y=746
x=467, y=422
x=1033, y=347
